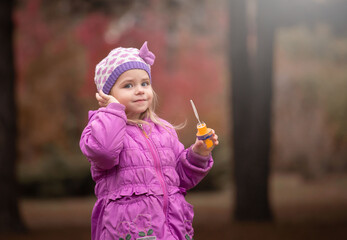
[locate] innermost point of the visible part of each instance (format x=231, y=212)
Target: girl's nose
x=139, y=90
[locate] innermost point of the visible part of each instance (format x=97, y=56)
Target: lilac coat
x=141, y=175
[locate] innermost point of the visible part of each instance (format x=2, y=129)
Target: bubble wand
x=203, y=133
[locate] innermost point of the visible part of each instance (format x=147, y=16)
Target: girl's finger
x=98, y=97
x=199, y=143
x=215, y=141
x=215, y=136
x=103, y=95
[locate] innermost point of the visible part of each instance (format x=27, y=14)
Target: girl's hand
x=200, y=148
x=104, y=99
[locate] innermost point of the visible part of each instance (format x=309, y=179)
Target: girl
x=141, y=169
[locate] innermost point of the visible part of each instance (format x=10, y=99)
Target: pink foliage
x=90, y=33
x=32, y=33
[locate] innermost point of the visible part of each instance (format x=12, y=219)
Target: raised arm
x=102, y=139
x=191, y=167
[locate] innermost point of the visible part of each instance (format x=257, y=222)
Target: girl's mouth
x=140, y=100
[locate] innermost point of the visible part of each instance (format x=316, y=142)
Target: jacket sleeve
x=191, y=167
x=102, y=139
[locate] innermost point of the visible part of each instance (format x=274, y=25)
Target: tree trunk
x=251, y=103
x=9, y=214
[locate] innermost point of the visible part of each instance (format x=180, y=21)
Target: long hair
x=150, y=114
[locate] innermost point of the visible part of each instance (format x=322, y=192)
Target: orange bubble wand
x=203, y=133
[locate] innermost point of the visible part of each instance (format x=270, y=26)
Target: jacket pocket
x=180, y=216
x=130, y=218
x=188, y=218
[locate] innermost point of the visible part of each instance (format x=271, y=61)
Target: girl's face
x=133, y=89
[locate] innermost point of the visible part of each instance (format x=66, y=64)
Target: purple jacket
x=141, y=175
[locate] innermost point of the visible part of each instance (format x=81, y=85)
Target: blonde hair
x=150, y=114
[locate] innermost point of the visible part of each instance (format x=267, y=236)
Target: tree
x=251, y=102
x=9, y=214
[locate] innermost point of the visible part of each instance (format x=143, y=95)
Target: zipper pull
x=141, y=127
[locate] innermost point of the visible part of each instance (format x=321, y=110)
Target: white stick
x=195, y=111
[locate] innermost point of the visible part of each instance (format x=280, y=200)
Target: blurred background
x=58, y=43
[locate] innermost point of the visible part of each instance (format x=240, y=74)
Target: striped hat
x=120, y=60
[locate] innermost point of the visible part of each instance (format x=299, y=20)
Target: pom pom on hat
x=120, y=60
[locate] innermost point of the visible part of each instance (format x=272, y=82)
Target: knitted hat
x=120, y=60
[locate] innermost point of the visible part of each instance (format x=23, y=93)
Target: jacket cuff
x=115, y=106
x=115, y=109
x=198, y=160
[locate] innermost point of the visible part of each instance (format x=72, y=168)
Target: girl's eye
x=128, y=86
x=144, y=84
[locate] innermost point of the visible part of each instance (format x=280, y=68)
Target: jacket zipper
x=158, y=168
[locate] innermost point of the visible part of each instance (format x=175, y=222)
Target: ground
x=302, y=210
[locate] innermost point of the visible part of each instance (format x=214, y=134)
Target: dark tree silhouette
x=251, y=92
x=251, y=102
x=9, y=214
